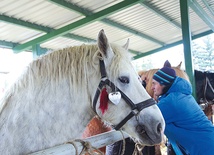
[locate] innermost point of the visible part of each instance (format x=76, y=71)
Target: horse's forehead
x=127, y=67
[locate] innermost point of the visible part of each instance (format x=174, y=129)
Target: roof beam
x=7, y=44
x=24, y=24
x=132, y=31
x=11, y=45
x=157, y=50
x=86, y=12
x=140, y=55
x=69, y=35
x=41, y=28
x=202, y=14
x=87, y=20
x=134, y=52
x=72, y=7
x=160, y=14
x=208, y=7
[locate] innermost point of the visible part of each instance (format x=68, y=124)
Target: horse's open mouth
x=149, y=140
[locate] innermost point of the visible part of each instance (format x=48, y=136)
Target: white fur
x=49, y=104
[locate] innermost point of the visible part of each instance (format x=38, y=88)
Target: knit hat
x=165, y=75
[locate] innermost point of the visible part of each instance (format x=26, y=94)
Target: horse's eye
x=124, y=79
x=144, y=83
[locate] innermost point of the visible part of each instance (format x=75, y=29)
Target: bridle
x=203, y=102
x=207, y=82
x=135, y=108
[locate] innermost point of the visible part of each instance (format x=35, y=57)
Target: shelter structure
x=151, y=25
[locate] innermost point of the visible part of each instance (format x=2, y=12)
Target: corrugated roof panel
x=147, y=22
x=92, y=30
x=144, y=18
x=207, y=6
x=197, y=24
x=211, y=4
x=136, y=43
x=141, y=45
x=141, y=19
x=165, y=5
x=39, y=11
x=165, y=33
x=170, y=9
x=94, y=5
x=59, y=43
x=114, y=34
x=17, y=34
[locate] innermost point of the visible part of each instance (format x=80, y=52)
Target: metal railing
x=75, y=147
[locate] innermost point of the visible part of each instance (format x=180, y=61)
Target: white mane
x=72, y=63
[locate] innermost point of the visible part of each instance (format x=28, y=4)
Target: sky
x=10, y=61
x=173, y=55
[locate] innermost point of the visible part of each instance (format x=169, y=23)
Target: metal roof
x=150, y=25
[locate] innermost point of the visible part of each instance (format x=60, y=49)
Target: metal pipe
x=96, y=141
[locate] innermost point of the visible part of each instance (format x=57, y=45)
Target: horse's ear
x=167, y=64
x=126, y=46
x=103, y=44
x=179, y=66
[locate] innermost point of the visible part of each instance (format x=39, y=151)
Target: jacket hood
x=180, y=85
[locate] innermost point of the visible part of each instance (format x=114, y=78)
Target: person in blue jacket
x=187, y=127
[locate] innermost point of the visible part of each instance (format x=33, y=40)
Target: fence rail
x=96, y=141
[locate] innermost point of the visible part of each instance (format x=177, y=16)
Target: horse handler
x=187, y=127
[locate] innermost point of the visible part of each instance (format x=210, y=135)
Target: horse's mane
x=71, y=64
x=147, y=76
x=181, y=73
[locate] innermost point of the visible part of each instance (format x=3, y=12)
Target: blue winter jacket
x=185, y=122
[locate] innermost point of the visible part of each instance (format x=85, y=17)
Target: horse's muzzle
x=156, y=135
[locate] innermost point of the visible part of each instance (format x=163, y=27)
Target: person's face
x=157, y=88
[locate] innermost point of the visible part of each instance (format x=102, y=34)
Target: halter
x=135, y=108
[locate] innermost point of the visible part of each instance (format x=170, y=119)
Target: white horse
x=51, y=102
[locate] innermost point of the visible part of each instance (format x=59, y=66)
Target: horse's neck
x=50, y=111
x=43, y=112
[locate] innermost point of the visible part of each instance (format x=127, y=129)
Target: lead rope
x=124, y=143
x=138, y=146
x=87, y=148
x=138, y=149
x=72, y=143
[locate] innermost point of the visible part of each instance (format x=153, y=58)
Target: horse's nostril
x=140, y=129
x=159, y=128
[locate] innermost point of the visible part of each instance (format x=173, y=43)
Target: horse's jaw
x=146, y=130
x=143, y=136
x=147, y=127
x=154, y=132
x=147, y=137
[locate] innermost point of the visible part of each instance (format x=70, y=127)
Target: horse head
x=123, y=101
x=180, y=72
x=52, y=96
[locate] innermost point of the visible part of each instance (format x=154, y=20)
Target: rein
x=204, y=102
x=135, y=108
x=207, y=81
